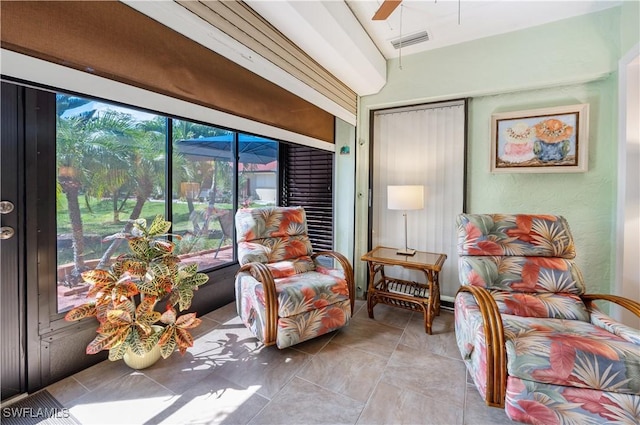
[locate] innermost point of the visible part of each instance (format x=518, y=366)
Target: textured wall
x=563, y=63
x=587, y=200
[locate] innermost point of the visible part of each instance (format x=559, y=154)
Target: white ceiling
x=356, y=50
x=451, y=22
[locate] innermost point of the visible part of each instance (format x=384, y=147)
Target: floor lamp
x=405, y=198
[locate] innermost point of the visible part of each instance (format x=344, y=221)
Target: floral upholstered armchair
x=532, y=340
x=284, y=295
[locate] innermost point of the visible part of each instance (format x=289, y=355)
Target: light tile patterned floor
x=382, y=371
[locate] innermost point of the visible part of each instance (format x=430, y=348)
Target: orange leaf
x=183, y=339
x=86, y=310
x=188, y=321
x=486, y=248
x=169, y=316
x=125, y=289
x=106, y=341
x=549, y=262
x=98, y=277
x=563, y=358
x=526, y=306
x=334, y=318
x=589, y=345
x=530, y=271
x=535, y=412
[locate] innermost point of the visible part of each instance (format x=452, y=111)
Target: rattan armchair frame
x=631, y=305
x=263, y=274
x=495, y=340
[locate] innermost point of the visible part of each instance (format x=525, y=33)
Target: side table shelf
x=409, y=295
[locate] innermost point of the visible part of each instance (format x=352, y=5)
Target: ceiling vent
x=409, y=40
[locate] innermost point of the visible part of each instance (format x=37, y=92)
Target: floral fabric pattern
x=539, y=403
x=471, y=340
x=287, y=268
x=605, y=322
x=310, y=291
x=274, y=222
x=269, y=235
x=309, y=305
x=571, y=352
x=523, y=274
x=514, y=234
x=271, y=250
x=567, y=363
x=546, y=305
x=312, y=299
x=302, y=327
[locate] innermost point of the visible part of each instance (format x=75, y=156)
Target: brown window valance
x=112, y=40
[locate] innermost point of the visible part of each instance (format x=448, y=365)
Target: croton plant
x=125, y=295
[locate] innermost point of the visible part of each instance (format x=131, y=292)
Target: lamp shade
x=405, y=197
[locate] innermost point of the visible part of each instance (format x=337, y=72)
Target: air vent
x=411, y=39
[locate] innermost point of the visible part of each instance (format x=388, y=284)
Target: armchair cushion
x=522, y=274
x=605, y=322
x=309, y=305
x=531, y=339
x=283, y=293
x=269, y=235
x=546, y=305
x=300, y=293
x=571, y=353
x=538, y=403
x=273, y=250
x=291, y=267
x=515, y=234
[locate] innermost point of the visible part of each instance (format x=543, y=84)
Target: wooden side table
x=415, y=296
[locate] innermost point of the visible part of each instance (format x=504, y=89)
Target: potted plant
x=127, y=293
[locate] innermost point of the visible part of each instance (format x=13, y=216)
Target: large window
x=111, y=166
x=116, y=164
x=204, y=173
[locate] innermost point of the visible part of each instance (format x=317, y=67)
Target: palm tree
x=146, y=162
x=117, y=134
x=87, y=147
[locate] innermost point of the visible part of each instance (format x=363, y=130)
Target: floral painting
x=541, y=141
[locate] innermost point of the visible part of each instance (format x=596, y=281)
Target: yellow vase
x=135, y=361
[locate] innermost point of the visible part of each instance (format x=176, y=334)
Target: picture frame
x=546, y=140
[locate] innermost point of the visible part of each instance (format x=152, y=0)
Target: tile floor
x=383, y=371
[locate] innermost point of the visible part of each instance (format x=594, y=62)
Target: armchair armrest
x=495, y=341
x=262, y=273
x=631, y=305
x=347, y=269
x=604, y=321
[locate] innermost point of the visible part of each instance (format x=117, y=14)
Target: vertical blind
x=307, y=181
x=421, y=145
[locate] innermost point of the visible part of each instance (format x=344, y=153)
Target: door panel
x=11, y=269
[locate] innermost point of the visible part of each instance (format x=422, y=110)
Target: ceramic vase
x=135, y=361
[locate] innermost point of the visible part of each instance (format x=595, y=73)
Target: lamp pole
x=406, y=250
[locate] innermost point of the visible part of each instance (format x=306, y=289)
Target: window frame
x=169, y=148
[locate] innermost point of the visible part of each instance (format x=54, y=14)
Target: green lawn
x=98, y=222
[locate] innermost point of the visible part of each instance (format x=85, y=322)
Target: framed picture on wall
x=548, y=140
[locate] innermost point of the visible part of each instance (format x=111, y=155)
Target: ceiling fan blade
x=386, y=9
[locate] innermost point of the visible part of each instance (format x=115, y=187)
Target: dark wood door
x=12, y=294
